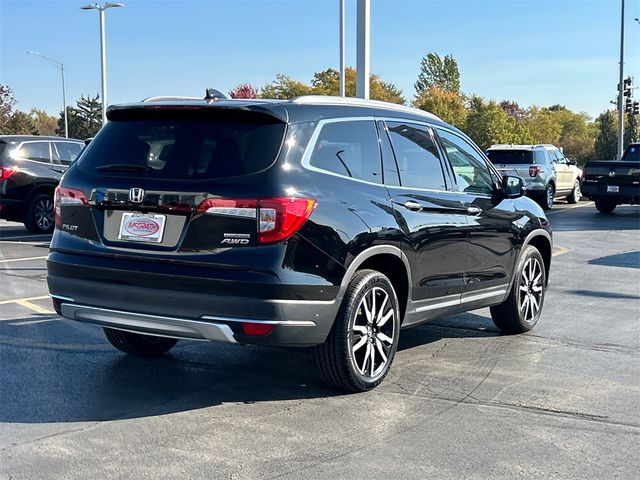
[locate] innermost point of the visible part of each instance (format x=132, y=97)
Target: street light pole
x=60, y=65
x=103, y=54
x=362, y=47
x=621, y=88
x=342, y=50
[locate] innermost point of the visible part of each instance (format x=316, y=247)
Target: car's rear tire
x=357, y=354
x=39, y=217
x=138, y=344
x=521, y=310
x=605, y=206
x=576, y=193
x=546, y=201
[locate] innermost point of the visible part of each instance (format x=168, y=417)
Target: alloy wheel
x=550, y=193
x=43, y=213
x=373, y=333
x=531, y=290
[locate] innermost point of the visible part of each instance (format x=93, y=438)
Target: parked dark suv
x=30, y=168
x=323, y=222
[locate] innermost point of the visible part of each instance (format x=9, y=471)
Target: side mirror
x=512, y=187
x=571, y=162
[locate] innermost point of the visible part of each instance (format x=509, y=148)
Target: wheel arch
x=543, y=242
x=388, y=260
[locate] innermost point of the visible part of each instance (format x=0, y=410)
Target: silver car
x=546, y=171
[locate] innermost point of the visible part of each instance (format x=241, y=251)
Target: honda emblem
x=136, y=195
x=612, y=173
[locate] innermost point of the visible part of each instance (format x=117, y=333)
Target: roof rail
x=168, y=99
x=360, y=102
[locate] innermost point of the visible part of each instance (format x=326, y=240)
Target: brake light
x=67, y=197
x=534, y=170
x=277, y=218
x=6, y=172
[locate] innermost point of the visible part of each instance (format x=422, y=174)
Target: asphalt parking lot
x=461, y=401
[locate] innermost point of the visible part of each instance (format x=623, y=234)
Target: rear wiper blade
x=121, y=167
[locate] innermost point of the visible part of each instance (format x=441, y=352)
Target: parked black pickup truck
x=610, y=183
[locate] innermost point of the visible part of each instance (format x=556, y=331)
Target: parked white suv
x=546, y=171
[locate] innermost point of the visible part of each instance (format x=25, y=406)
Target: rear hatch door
x=508, y=162
x=171, y=184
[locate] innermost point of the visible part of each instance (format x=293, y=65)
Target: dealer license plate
x=613, y=188
x=142, y=227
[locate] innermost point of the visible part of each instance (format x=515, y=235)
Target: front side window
x=416, y=156
x=471, y=172
x=38, y=151
x=349, y=149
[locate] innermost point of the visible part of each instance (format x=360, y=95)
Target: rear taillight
x=6, y=172
x=67, y=197
x=276, y=218
x=583, y=177
x=534, y=170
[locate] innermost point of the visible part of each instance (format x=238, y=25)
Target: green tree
x=449, y=106
x=85, y=119
x=43, y=123
x=606, y=142
x=284, y=87
x=20, y=123
x=487, y=124
x=543, y=125
x=438, y=72
x=327, y=82
x=631, y=130
x=7, y=102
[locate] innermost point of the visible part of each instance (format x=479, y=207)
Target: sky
x=540, y=52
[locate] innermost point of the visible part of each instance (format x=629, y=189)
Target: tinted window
x=510, y=157
x=417, y=157
x=38, y=151
x=67, y=151
x=541, y=157
x=183, y=149
x=632, y=154
x=471, y=171
x=349, y=149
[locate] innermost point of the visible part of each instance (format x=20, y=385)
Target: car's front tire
x=521, y=310
x=357, y=354
x=138, y=344
x=576, y=193
x=39, y=217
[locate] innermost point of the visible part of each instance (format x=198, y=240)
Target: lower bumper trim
x=149, y=324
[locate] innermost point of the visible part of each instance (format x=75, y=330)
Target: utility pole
x=362, y=45
x=621, y=88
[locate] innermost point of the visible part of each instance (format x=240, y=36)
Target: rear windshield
x=183, y=149
x=632, y=154
x=510, y=157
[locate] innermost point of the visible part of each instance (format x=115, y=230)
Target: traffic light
x=628, y=105
x=636, y=108
x=627, y=86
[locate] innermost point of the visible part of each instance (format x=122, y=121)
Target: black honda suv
x=30, y=168
x=322, y=222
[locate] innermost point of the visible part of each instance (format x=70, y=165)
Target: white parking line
x=579, y=205
x=23, y=259
x=33, y=322
x=2, y=239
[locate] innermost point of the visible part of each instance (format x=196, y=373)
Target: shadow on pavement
x=46, y=385
x=599, y=294
x=627, y=259
x=625, y=217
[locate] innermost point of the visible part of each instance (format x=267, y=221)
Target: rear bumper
x=625, y=194
x=189, y=307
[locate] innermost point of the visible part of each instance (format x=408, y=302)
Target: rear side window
x=67, y=151
x=512, y=157
x=349, y=149
x=183, y=149
x=632, y=154
x=38, y=151
x=416, y=156
x=542, y=157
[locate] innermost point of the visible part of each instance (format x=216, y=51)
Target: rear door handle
x=474, y=211
x=413, y=206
